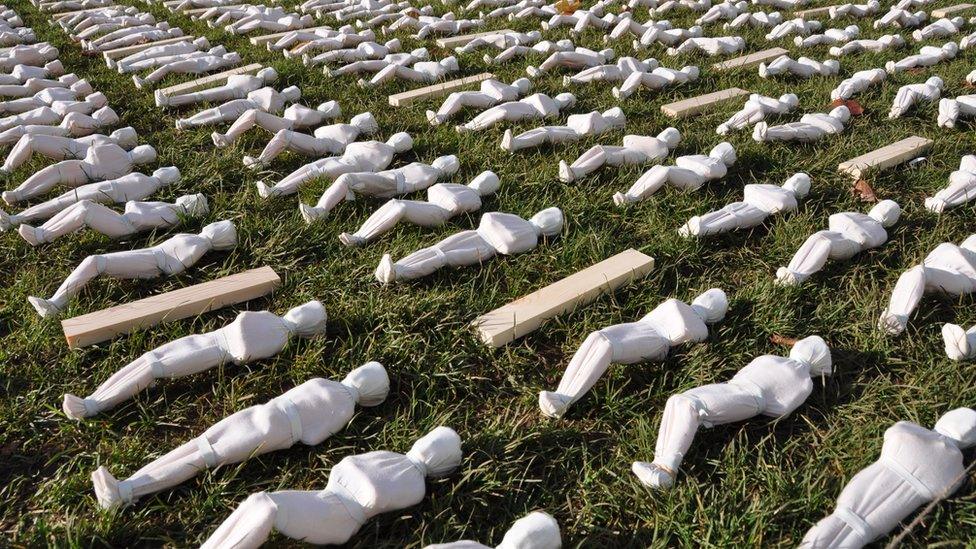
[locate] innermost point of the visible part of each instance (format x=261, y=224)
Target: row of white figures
x=430, y=25
x=246, y=18
x=635, y=150
x=12, y=29
x=759, y=202
x=804, y=67
x=501, y=41
x=829, y=37
x=538, y=106
x=688, y=173
x=359, y=11
x=172, y=256
x=88, y=25
x=616, y=72
x=811, y=127
x=373, y=18
x=577, y=126
x=756, y=20
x=545, y=47
x=69, y=5
x=237, y=86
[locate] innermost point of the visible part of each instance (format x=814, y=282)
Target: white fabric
x=756, y=20
x=578, y=59
x=811, y=127
x=497, y=233
x=47, y=121
x=797, y=26
x=900, y=19
x=671, y=323
x=169, y=257
x=61, y=148
x=577, y=126
x=939, y=29
x=35, y=54
x=617, y=72
x=756, y=108
x=858, y=82
x=961, y=188
x=21, y=73
x=916, y=466
x=948, y=268
x=688, y=173
x=769, y=385
x=848, y=234
x=909, y=95
x=501, y=41
x=545, y=47
x=758, y=203
x=252, y=336
x=359, y=488
x=492, y=92
x=196, y=65
x=666, y=36
x=360, y=52
x=331, y=139
x=829, y=37
x=265, y=100
x=886, y=42
x=538, y=106
x=636, y=150
x=804, y=67
x=236, y=87
x=309, y=413
x=727, y=10
x=926, y=57
x=710, y=46
x=657, y=79
x=130, y=36
x=421, y=71
x=854, y=10
x=123, y=64
x=537, y=530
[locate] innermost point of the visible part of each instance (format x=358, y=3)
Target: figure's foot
x=44, y=307
x=107, y=489
x=507, y=141
x=565, y=172
x=351, y=240
x=892, y=324
x=264, y=191
x=553, y=404
x=11, y=197
x=652, y=475
x=161, y=99
x=77, y=407
x=33, y=235
x=139, y=82
x=386, y=271
x=311, y=214
x=219, y=140
x=433, y=118
x=786, y=277
x=252, y=163
x=532, y=71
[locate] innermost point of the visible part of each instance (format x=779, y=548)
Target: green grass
x=761, y=482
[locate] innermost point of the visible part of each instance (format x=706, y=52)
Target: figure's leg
x=588, y=364
x=457, y=101
x=67, y=172
x=737, y=215
x=82, y=214
x=248, y=120
x=537, y=137
x=390, y=214
x=646, y=185
x=904, y=299
x=172, y=469
x=336, y=193
x=589, y=162
x=485, y=120
x=462, y=249
x=294, y=180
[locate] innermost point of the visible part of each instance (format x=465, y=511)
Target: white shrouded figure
x=577, y=126
x=359, y=488
x=537, y=530
x=58, y=99
x=635, y=150
x=770, y=385
x=125, y=64
x=154, y=62
x=804, y=67
x=377, y=65
x=688, y=173
x=756, y=108
x=710, y=46
x=62, y=148
x=961, y=188
x=966, y=41
x=948, y=269
x=858, y=82
x=545, y=47
x=909, y=95
x=266, y=100
x=251, y=336
x=657, y=79
x=847, y=234
x=491, y=93
x=361, y=156
x=309, y=414
x=35, y=55
x=798, y=26
x=727, y=10
x=444, y=201
x=74, y=88
x=195, y=65
x=236, y=87
x=854, y=10
x=758, y=19
x=361, y=52
x=939, y=29
x=759, y=202
x=172, y=256
x=21, y=73
x=331, y=139
x=130, y=36
x=960, y=344
x=627, y=26
x=137, y=217
x=926, y=57
x=421, y=71
x=537, y=106
x=782, y=4
x=811, y=127
x=133, y=186
x=295, y=117
x=501, y=41
x=63, y=122
x=578, y=59
x=617, y=72
x=101, y=162
x=917, y=466
x=666, y=36
x=413, y=177
x=900, y=19
x=883, y=43
x=497, y=233
x=298, y=44
x=670, y=324
x=829, y=37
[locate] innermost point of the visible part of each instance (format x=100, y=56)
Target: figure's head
x=548, y=222
x=725, y=152
x=813, y=350
x=82, y=87
x=537, y=530
x=841, y=113
x=450, y=63
x=564, y=44
x=799, y=183
x=438, y=452
x=833, y=65
x=167, y=175
x=267, y=75
x=447, y=165
x=692, y=71
x=420, y=53
x=143, y=154
x=959, y=426
x=222, y=234
x=202, y=43
x=696, y=31
x=852, y=30
x=401, y=142
x=97, y=99
x=523, y=85
x=565, y=100
x=886, y=212
x=330, y=109
x=54, y=68
x=486, y=183
x=711, y=305
x=365, y=122
x=125, y=137
x=193, y=205
x=291, y=94
x=607, y=54
x=790, y=100
x=369, y=384
x=950, y=49
x=670, y=137
x=535, y=35
x=936, y=82
x=393, y=45
x=307, y=320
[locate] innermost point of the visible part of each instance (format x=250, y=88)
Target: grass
x=761, y=482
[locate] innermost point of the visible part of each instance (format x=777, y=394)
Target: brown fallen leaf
x=777, y=339
x=853, y=106
x=862, y=189
x=968, y=84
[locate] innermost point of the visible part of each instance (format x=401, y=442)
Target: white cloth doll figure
x=109, y=24
x=886, y=42
x=137, y=217
x=909, y=95
x=949, y=269
x=804, y=67
x=667, y=37
x=627, y=26
x=798, y=27
x=169, y=257
x=617, y=72
x=266, y=100
x=757, y=20
x=960, y=344
x=361, y=156
x=35, y=55
x=770, y=385
x=917, y=466
x=858, y=82
x=47, y=122
x=710, y=46
x=966, y=41
x=61, y=148
x=854, y=10
x=326, y=140
x=811, y=127
x=251, y=336
x=577, y=126
x=295, y=117
x=635, y=150
x=287, y=22
x=492, y=92
x=302, y=43
x=756, y=108
x=360, y=52
x=360, y=487
x=309, y=413
x=196, y=65
x=727, y=10
x=444, y=201
x=237, y=87
x=125, y=64
x=538, y=106
x=546, y=47
x=657, y=79
x=961, y=188
x=134, y=186
x=421, y=71
x=66, y=97
x=829, y=37
x=939, y=29
x=21, y=73
x=131, y=36
x=101, y=162
x=501, y=41
x=926, y=57
x=71, y=82
x=578, y=59
x=537, y=530
x=448, y=28
x=758, y=203
x=900, y=19
x=153, y=62
x=497, y=233
x=376, y=65
x=413, y=177
x=670, y=324
x=847, y=234
x=689, y=173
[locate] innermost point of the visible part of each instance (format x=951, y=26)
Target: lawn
x=761, y=482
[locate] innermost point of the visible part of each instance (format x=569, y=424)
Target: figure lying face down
x=537, y=530
x=636, y=149
x=759, y=202
x=577, y=126
x=689, y=173
x=961, y=189
x=491, y=93
x=756, y=108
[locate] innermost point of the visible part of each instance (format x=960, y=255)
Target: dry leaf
x=853, y=106
x=777, y=339
x=862, y=189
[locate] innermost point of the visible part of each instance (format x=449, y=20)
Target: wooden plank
x=947, y=11
x=63, y=14
x=885, y=157
x=191, y=301
x=751, y=60
x=695, y=105
x=524, y=315
x=815, y=12
x=455, y=41
x=264, y=39
x=119, y=53
x=211, y=81
x=198, y=11
x=436, y=90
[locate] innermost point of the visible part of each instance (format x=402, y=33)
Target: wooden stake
x=210, y=81
x=751, y=60
x=885, y=157
x=455, y=41
x=119, y=53
x=695, y=105
x=436, y=90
